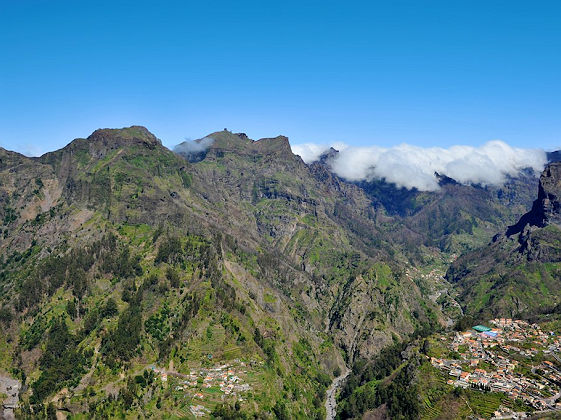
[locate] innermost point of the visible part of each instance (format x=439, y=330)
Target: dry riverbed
x=331, y=393
x=9, y=389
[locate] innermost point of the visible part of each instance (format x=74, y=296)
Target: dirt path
x=331, y=393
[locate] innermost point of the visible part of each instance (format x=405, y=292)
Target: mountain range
x=121, y=260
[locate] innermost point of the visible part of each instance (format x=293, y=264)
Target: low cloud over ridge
x=414, y=167
x=191, y=147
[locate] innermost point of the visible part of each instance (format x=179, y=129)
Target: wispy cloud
x=192, y=147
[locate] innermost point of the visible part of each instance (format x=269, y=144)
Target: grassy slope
x=504, y=278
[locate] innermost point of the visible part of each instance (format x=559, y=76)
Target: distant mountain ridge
x=454, y=219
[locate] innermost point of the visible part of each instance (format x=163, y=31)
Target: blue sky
x=428, y=73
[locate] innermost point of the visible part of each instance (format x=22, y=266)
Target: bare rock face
x=546, y=210
x=549, y=194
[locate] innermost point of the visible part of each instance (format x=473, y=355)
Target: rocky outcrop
x=546, y=210
x=549, y=194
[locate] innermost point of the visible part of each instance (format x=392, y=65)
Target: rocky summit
x=546, y=210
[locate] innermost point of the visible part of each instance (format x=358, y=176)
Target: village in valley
x=513, y=357
x=209, y=385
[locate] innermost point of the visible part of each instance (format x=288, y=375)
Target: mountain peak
x=549, y=193
x=279, y=144
x=328, y=155
x=224, y=142
x=546, y=210
x=134, y=133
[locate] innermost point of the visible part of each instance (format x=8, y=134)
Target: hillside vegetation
x=237, y=283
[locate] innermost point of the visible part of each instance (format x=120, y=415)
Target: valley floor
x=331, y=394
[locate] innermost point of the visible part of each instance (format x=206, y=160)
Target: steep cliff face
x=550, y=194
x=546, y=209
x=519, y=272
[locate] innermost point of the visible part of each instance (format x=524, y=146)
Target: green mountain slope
x=122, y=262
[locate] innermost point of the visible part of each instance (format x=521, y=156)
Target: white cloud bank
x=414, y=167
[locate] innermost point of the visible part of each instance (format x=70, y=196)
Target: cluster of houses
x=484, y=359
x=224, y=377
